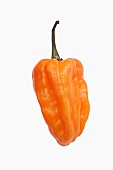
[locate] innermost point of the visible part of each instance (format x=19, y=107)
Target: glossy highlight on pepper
x=62, y=94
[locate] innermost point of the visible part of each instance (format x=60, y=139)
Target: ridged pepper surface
x=62, y=94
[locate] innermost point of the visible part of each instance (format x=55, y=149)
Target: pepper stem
x=55, y=54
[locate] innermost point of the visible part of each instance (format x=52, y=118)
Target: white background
x=85, y=32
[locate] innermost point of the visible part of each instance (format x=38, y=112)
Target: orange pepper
x=62, y=94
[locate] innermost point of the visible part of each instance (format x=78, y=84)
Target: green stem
x=55, y=54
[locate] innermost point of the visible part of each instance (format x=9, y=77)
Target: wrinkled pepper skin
x=63, y=97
